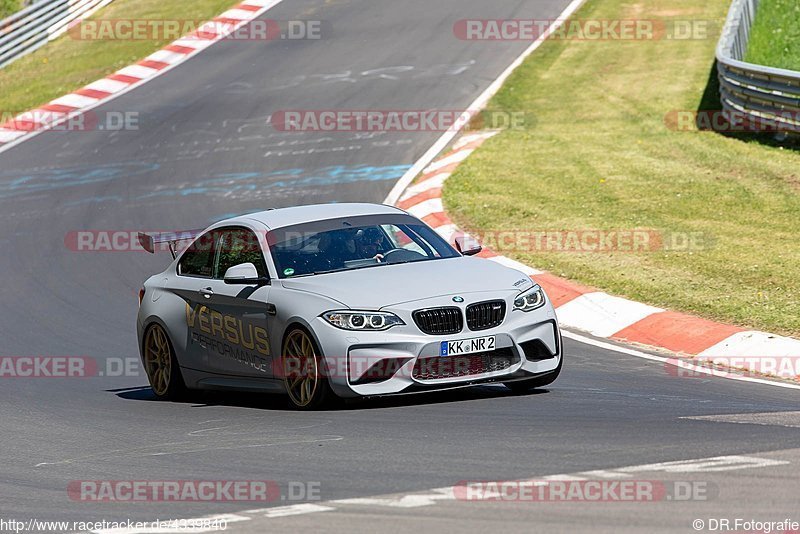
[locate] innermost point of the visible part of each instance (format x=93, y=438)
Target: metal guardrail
x=761, y=95
x=36, y=25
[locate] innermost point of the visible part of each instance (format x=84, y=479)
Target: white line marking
x=704, y=465
x=7, y=136
x=239, y=14
x=193, y=42
x=215, y=28
x=75, y=101
x=414, y=500
x=672, y=361
x=601, y=473
x=262, y=3
x=423, y=209
x=477, y=105
x=560, y=477
x=514, y=264
x=466, y=139
x=785, y=419
x=138, y=71
x=426, y=185
x=297, y=509
x=454, y=157
x=166, y=56
x=109, y=86
x=41, y=116
x=754, y=343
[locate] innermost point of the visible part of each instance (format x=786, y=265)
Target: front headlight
x=530, y=300
x=362, y=320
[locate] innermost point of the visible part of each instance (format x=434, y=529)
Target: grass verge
x=8, y=7
x=775, y=35
x=67, y=63
x=601, y=156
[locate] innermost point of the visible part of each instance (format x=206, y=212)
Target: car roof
x=280, y=217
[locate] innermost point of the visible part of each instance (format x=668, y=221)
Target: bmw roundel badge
x=458, y=299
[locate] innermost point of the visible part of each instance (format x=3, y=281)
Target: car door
x=189, y=324
x=237, y=314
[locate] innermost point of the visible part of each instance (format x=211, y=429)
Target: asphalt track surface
x=204, y=150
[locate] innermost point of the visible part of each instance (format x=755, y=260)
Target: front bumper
x=401, y=359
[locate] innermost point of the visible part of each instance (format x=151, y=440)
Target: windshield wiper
x=405, y=261
x=331, y=271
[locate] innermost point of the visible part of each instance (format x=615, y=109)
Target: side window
x=198, y=258
x=235, y=246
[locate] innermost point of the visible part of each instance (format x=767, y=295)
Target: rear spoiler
x=149, y=241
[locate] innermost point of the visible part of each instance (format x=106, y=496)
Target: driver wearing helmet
x=371, y=243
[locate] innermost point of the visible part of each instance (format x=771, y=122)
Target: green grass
x=7, y=7
x=67, y=64
x=775, y=35
x=601, y=157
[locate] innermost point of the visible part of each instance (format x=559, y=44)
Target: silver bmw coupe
x=338, y=300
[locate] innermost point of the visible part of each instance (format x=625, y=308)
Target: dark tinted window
x=198, y=258
x=354, y=243
x=235, y=246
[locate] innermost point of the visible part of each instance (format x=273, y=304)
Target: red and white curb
x=598, y=313
x=64, y=108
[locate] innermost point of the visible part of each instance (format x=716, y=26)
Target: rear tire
x=304, y=375
x=521, y=386
x=161, y=365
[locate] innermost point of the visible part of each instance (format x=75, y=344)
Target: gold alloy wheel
x=157, y=359
x=301, y=374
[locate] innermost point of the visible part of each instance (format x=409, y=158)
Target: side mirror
x=467, y=245
x=244, y=274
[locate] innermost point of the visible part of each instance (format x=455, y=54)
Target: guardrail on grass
x=36, y=25
x=762, y=95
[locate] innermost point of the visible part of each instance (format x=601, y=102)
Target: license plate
x=466, y=346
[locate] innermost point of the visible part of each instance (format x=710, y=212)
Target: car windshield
x=354, y=243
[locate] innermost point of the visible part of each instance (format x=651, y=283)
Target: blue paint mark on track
x=15, y=184
x=287, y=179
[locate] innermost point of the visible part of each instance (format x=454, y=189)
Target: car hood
x=373, y=288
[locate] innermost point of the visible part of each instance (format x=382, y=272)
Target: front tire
x=161, y=366
x=304, y=373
